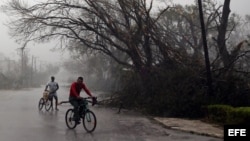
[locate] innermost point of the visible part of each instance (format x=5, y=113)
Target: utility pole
x=32, y=70
x=209, y=75
x=22, y=62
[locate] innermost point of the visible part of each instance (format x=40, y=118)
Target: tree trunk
x=222, y=30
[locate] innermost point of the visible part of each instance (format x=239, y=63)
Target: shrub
x=226, y=114
x=219, y=113
x=240, y=115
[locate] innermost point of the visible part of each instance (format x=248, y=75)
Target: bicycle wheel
x=89, y=121
x=48, y=104
x=41, y=103
x=69, y=119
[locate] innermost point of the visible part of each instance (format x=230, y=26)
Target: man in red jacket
x=74, y=96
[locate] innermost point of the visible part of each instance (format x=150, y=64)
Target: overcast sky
x=237, y=6
x=43, y=51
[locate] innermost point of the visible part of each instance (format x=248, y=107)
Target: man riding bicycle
x=74, y=96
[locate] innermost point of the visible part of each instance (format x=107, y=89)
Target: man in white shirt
x=53, y=87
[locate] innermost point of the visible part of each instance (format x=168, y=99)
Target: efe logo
x=237, y=132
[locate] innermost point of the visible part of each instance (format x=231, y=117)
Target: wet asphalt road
x=20, y=120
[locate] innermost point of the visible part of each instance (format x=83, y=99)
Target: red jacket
x=76, y=88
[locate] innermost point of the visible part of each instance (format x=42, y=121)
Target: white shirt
x=52, y=86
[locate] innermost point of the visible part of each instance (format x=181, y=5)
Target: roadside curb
x=191, y=126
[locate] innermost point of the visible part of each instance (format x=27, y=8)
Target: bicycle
x=45, y=101
x=88, y=117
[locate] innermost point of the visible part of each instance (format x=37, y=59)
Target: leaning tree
x=127, y=27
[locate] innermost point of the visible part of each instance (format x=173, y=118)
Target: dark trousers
x=76, y=103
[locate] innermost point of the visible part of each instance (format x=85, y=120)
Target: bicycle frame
x=83, y=107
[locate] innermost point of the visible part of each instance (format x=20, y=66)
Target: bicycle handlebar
x=86, y=97
x=93, y=101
